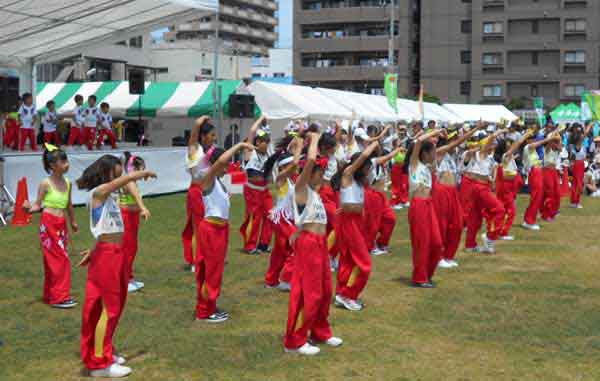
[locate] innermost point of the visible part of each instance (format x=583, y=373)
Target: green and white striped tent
x=162, y=99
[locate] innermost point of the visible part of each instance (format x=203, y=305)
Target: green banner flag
x=590, y=106
x=538, y=105
x=391, y=90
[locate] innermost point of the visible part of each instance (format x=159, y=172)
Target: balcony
x=493, y=5
x=574, y=4
x=265, y=4
x=246, y=31
x=248, y=15
x=342, y=73
x=340, y=15
x=344, y=44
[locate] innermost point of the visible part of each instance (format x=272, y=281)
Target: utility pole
x=215, y=94
x=391, y=58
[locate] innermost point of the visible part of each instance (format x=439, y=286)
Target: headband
x=209, y=154
x=50, y=147
x=130, y=167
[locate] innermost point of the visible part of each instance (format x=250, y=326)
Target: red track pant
x=450, y=218
x=466, y=199
x=577, y=186
x=131, y=223
x=425, y=239
x=57, y=265
x=551, y=203
x=507, y=194
x=195, y=214
x=214, y=239
x=11, y=138
x=380, y=219
x=76, y=136
x=89, y=137
x=331, y=203
x=310, y=296
x=399, y=189
x=281, y=263
x=105, y=296
x=484, y=201
x=256, y=222
x=111, y=138
x=565, y=190
x=27, y=134
x=52, y=138
x=355, y=260
x=536, y=195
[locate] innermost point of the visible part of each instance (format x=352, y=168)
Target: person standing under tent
x=49, y=123
x=310, y=297
x=91, y=117
x=76, y=131
x=105, y=127
x=12, y=127
x=27, y=119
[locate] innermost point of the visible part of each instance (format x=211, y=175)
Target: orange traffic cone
x=564, y=186
x=21, y=217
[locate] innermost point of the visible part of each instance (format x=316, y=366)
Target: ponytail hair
x=270, y=163
x=359, y=175
x=132, y=163
x=426, y=146
x=100, y=172
x=52, y=156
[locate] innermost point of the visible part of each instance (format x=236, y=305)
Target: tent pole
x=216, y=71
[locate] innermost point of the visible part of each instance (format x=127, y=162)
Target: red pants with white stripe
x=551, y=203
x=577, y=186
x=425, y=239
x=214, y=238
x=536, y=195
x=450, y=218
x=195, y=214
x=466, y=199
x=507, y=194
x=57, y=265
x=355, y=260
x=27, y=134
x=484, y=201
x=129, y=246
x=105, y=297
x=399, y=189
x=52, y=138
x=76, y=136
x=281, y=262
x=256, y=222
x=331, y=203
x=310, y=296
x=111, y=138
x=380, y=219
x=89, y=137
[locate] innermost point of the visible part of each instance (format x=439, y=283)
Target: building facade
x=462, y=51
x=277, y=67
x=246, y=27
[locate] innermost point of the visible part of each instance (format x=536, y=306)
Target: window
x=256, y=75
x=490, y=91
x=492, y=59
x=574, y=90
x=465, y=57
x=575, y=57
x=465, y=88
x=575, y=25
x=535, y=27
x=535, y=58
x=466, y=26
x=534, y=90
x=279, y=75
x=493, y=28
x=136, y=42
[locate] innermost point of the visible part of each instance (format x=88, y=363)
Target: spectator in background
x=11, y=127
x=28, y=118
x=49, y=124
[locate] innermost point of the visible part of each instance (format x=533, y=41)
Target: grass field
x=532, y=312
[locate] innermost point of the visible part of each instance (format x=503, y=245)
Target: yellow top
x=55, y=199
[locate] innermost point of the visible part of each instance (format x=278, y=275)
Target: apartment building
x=344, y=44
x=476, y=51
x=246, y=27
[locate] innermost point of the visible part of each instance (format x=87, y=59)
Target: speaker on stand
x=241, y=106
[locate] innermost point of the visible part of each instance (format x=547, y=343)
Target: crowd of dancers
x=332, y=213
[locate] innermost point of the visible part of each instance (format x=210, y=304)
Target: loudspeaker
x=241, y=106
x=9, y=94
x=137, y=79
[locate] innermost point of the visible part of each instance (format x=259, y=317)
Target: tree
x=516, y=103
x=428, y=98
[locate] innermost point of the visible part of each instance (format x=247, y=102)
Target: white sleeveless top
x=531, y=159
x=285, y=204
x=420, y=177
x=49, y=122
x=217, y=202
x=106, y=218
x=27, y=113
x=77, y=117
x=91, y=117
x=332, y=168
x=196, y=165
x=314, y=210
x=256, y=162
x=482, y=167
x=551, y=158
x=579, y=154
x=447, y=164
x=509, y=165
x=354, y=194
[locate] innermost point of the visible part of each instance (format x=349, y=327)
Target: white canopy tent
x=487, y=113
x=279, y=101
x=36, y=31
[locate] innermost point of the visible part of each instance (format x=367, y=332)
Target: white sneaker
x=377, y=252
x=334, y=264
x=139, y=284
x=398, y=207
x=488, y=244
x=527, y=226
x=444, y=264
x=193, y=268
x=113, y=371
x=306, y=350
x=453, y=263
x=119, y=360
x=284, y=286
x=579, y=206
x=334, y=341
x=132, y=287
x=349, y=304
x=507, y=238
x=576, y=206
x=407, y=205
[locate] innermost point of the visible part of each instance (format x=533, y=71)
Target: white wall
x=279, y=61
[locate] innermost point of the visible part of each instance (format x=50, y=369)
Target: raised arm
x=381, y=160
x=254, y=129
x=515, y=146
x=349, y=171
x=296, y=146
x=450, y=146
x=550, y=137
x=588, y=128
x=414, y=157
x=104, y=190
x=490, y=139
x=195, y=135
x=222, y=163
x=311, y=158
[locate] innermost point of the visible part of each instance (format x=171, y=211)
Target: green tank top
x=55, y=199
x=127, y=199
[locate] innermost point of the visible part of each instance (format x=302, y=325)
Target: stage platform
x=168, y=163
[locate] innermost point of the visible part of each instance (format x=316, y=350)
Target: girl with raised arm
x=107, y=279
x=310, y=296
x=551, y=179
x=578, y=153
x=355, y=260
x=202, y=138
x=425, y=237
